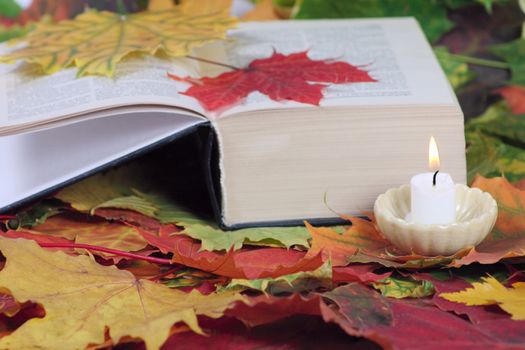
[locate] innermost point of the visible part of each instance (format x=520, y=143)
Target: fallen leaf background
x=173, y=279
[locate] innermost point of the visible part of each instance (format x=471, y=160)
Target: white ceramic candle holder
x=476, y=213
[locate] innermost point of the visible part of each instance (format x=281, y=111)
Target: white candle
x=433, y=194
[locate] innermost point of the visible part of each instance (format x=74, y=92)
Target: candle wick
x=434, y=178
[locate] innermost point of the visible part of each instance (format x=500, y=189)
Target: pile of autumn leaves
x=105, y=263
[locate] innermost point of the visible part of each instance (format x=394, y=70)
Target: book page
x=39, y=161
x=26, y=96
x=394, y=52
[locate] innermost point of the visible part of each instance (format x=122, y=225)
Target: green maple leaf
x=498, y=120
x=495, y=141
x=36, y=214
x=404, y=287
x=514, y=54
x=431, y=14
x=214, y=238
x=9, y=8
x=488, y=4
x=127, y=188
x=458, y=73
x=489, y=156
x=296, y=282
x=105, y=191
x=13, y=32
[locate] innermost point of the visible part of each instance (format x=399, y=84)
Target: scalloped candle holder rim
x=477, y=211
x=389, y=215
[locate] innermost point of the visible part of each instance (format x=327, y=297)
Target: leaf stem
x=7, y=217
x=161, y=261
x=477, y=61
x=121, y=8
x=212, y=62
x=170, y=271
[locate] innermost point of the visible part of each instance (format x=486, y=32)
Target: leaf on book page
x=457, y=72
x=514, y=54
x=95, y=41
x=515, y=97
x=404, y=287
x=101, y=297
x=490, y=291
x=299, y=282
x=281, y=77
x=243, y=263
x=432, y=16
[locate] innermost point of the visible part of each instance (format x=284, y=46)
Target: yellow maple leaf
x=157, y=5
x=490, y=292
x=95, y=41
x=81, y=298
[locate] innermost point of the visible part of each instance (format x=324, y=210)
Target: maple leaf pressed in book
x=293, y=77
x=95, y=42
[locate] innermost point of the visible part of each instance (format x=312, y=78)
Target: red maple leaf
x=242, y=263
x=281, y=77
x=515, y=97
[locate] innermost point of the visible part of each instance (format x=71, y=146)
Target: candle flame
x=433, y=155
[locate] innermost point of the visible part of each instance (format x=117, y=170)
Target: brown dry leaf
x=81, y=298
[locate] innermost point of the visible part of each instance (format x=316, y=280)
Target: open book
x=269, y=163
